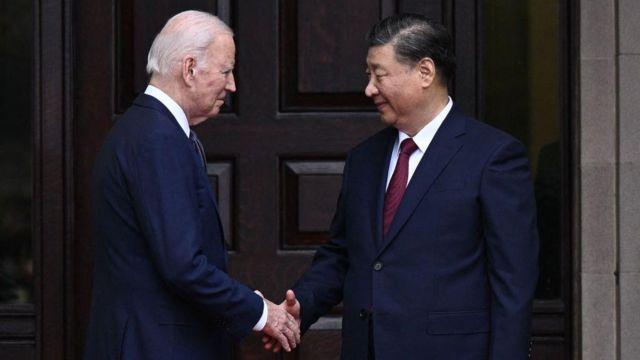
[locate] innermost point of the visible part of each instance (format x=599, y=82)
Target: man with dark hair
x=415, y=37
x=433, y=246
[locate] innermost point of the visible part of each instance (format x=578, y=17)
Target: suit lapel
x=150, y=102
x=443, y=147
x=380, y=170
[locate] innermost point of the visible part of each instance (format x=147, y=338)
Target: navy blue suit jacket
x=161, y=289
x=455, y=275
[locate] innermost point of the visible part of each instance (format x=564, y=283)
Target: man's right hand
x=292, y=306
x=281, y=326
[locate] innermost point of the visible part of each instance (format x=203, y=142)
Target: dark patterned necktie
x=199, y=148
x=398, y=183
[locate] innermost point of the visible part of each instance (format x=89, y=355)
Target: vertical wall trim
x=574, y=11
x=617, y=178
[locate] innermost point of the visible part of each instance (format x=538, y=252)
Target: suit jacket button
x=377, y=266
x=363, y=314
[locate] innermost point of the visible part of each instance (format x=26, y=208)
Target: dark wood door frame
x=53, y=180
x=45, y=329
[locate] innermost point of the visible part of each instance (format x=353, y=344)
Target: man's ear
x=188, y=69
x=427, y=71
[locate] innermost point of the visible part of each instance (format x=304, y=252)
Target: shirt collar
x=170, y=104
x=425, y=135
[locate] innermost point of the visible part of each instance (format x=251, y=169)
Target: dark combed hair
x=415, y=37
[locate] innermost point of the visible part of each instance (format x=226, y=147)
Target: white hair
x=187, y=33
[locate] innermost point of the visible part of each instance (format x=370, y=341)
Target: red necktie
x=398, y=183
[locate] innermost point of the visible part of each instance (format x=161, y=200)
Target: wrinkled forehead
x=223, y=50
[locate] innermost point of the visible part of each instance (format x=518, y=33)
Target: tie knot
x=408, y=146
x=192, y=135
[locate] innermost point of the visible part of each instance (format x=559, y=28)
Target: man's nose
x=371, y=89
x=231, y=83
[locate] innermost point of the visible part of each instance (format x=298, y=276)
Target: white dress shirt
x=181, y=117
x=422, y=139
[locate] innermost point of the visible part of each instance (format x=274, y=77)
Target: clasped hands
x=282, y=329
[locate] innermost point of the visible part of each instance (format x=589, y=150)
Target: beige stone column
x=598, y=140
x=629, y=176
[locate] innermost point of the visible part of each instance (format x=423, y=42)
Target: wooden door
x=276, y=152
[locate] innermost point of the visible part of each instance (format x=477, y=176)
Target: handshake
x=282, y=329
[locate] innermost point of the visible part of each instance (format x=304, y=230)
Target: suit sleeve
x=164, y=194
x=320, y=288
x=510, y=230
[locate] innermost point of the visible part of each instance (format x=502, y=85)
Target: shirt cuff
x=263, y=319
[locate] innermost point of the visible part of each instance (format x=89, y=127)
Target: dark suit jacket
x=161, y=290
x=455, y=275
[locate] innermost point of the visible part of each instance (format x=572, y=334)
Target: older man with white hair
x=161, y=288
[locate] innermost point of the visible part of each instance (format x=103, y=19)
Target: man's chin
x=196, y=121
x=387, y=119
x=200, y=119
x=214, y=112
